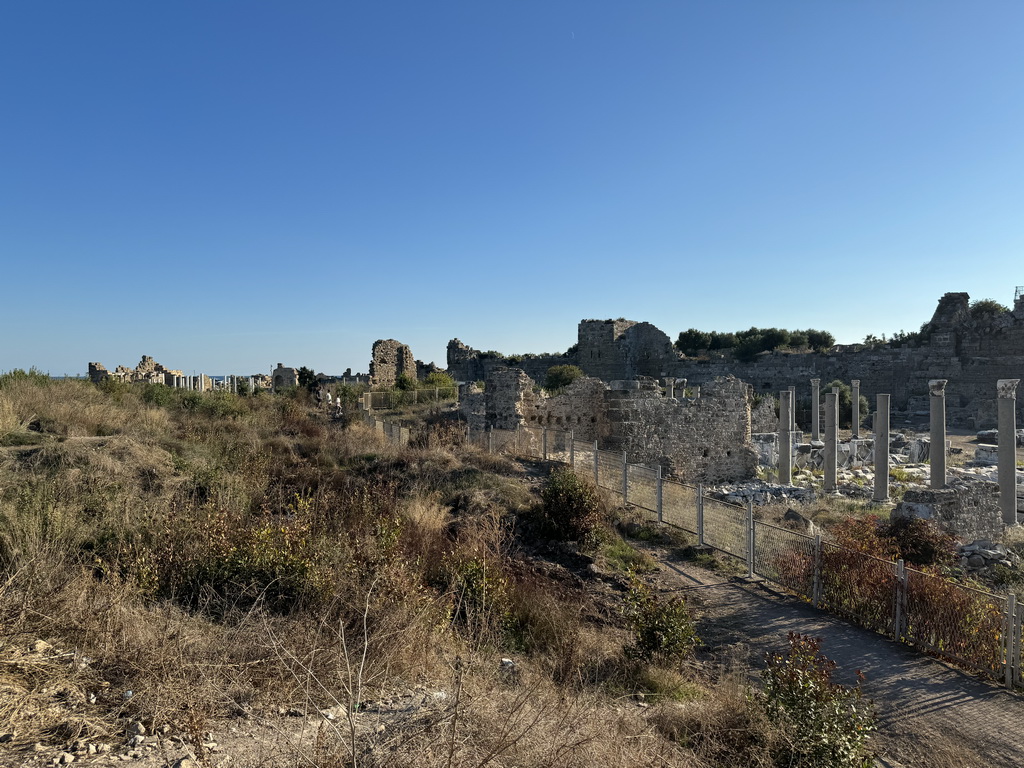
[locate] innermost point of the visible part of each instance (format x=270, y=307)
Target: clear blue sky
x=228, y=185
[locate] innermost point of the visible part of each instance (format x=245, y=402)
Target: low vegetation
x=182, y=559
x=746, y=345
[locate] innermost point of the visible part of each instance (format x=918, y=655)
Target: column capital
x=937, y=387
x=855, y=382
x=815, y=382
x=1007, y=388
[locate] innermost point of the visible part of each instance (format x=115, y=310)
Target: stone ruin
x=972, y=351
x=967, y=508
x=705, y=438
x=284, y=377
x=390, y=359
x=148, y=370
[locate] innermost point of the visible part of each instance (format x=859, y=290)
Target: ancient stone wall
x=579, y=408
x=509, y=396
x=390, y=359
x=704, y=439
x=970, y=352
x=764, y=416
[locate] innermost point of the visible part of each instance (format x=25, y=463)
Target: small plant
x=572, y=507
x=830, y=724
x=663, y=629
x=623, y=557
x=900, y=475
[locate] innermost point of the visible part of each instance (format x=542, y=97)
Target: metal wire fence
x=642, y=487
x=610, y=468
x=679, y=505
x=859, y=587
x=725, y=527
x=954, y=621
x=786, y=558
x=398, y=398
x=975, y=629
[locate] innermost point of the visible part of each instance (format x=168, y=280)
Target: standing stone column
x=855, y=409
x=785, y=438
x=1007, y=391
x=792, y=409
x=815, y=405
x=937, y=449
x=670, y=387
x=882, y=449
x=831, y=440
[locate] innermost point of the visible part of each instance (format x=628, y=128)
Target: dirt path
x=930, y=714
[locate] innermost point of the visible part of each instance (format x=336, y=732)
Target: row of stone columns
x=1006, y=390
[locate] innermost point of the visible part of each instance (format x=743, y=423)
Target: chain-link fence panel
x=725, y=527
x=679, y=505
x=785, y=558
x=859, y=587
x=530, y=442
x=503, y=441
x=964, y=625
x=583, y=458
x=609, y=471
x=642, y=485
x=558, y=445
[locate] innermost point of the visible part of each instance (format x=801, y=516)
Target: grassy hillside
x=186, y=560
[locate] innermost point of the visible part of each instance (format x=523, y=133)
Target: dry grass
x=223, y=557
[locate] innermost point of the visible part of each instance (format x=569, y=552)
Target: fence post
x=816, y=584
x=625, y=478
x=900, y=586
x=700, y=514
x=750, y=538
x=1017, y=631
x=659, y=497
x=596, y=479
x=572, y=451
x=544, y=442
x=1009, y=634
x=490, y=439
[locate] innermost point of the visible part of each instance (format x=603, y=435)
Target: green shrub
x=561, y=376
x=572, y=509
x=830, y=724
x=157, y=394
x=662, y=629
x=481, y=593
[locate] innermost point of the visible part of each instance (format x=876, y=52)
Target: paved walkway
x=930, y=714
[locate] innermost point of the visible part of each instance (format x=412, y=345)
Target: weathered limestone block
x=968, y=509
